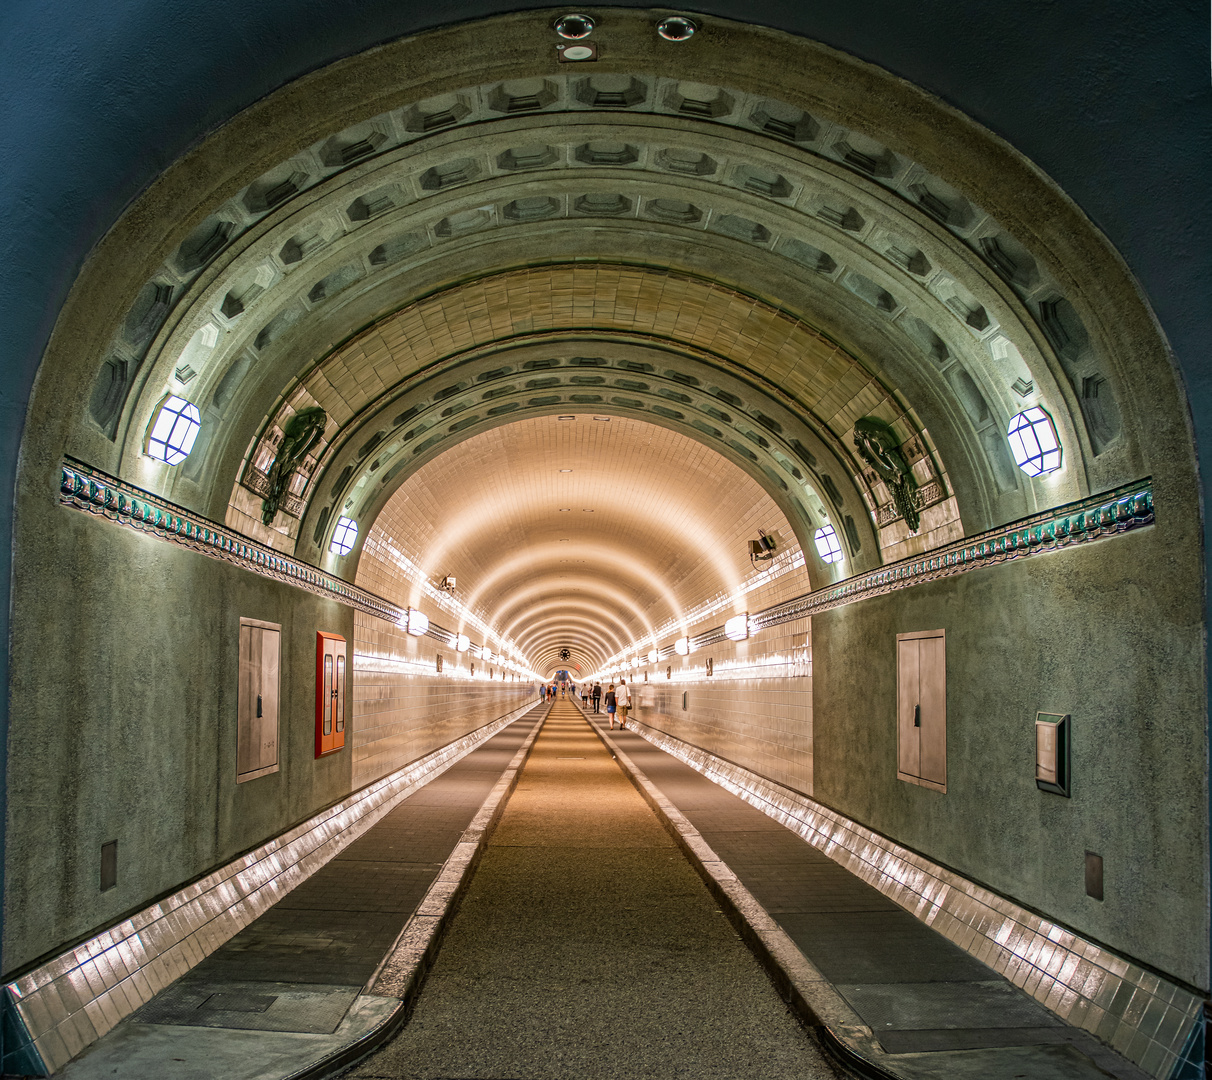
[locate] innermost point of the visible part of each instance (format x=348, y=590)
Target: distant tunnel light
x=653, y=656
x=344, y=536
x=1033, y=442
x=463, y=643
x=173, y=429
x=682, y=646
x=418, y=622
x=737, y=628
x=828, y=547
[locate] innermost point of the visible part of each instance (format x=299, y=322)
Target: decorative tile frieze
x=1099, y=517
x=86, y=489
x=1146, y=1018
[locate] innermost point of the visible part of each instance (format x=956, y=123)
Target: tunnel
x=393, y=379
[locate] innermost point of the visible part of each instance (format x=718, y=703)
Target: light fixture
x=565, y=470
x=565, y=417
x=762, y=549
x=737, y=628
x=565, y=509
x=676, y=28
x=1033, y=442
x=174, y=427
x=828, y=547
x=682, y=646
x=603, y=419
x=653, y=656
x=418, y=622
x=462, y=643
x=344, y=536
x=574, y=27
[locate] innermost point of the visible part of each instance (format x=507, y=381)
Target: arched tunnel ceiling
x=694, y=237
x=577, y=533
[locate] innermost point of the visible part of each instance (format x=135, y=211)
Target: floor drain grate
x=247, y=1003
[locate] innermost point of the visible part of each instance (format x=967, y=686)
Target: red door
x=330, y=693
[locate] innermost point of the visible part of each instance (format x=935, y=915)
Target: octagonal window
x=1034, y=443
x=828, y=547
x=344, y=536
x=174, y=427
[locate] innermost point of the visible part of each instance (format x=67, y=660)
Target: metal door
x=257, y=699
x=921, y=713
x=908, y=710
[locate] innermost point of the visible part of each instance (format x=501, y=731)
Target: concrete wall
x=125, y=668
x=125, y=678
x=1108, y=633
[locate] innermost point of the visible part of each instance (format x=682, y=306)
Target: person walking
x=596, y=694
x=611, y=704
x=622, y=696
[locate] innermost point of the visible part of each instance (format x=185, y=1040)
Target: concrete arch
x=1061, y=304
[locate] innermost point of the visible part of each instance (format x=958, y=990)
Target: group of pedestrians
x=617, y=700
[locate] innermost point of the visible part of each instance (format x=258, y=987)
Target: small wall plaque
x=1052, y=753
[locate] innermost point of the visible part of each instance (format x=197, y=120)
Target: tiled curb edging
x=796, y=978
x=1153, y=1023
x=403, y=970
x=62, y=1006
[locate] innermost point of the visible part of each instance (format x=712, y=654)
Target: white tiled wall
x=403, y=708
x=755, y=709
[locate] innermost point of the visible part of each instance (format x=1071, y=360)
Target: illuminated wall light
x=1034, y=443
x=653, y=656
x=682, y=646
x=463, y=643
x=828, y=547
x=418, y=622
x=174, y=427
x=344, y=536
x=737, y=628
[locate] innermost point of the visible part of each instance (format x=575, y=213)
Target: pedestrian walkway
x=286, y=993
x=934, y=1010
x=587, y=947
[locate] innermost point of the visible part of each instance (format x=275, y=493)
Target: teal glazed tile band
x=1098, y=517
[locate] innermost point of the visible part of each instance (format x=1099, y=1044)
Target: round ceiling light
x=576, y=52
x=574, y=27
x=676, y=28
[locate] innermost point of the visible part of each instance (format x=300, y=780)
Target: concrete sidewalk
x=297, y=993
x=893, y=996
